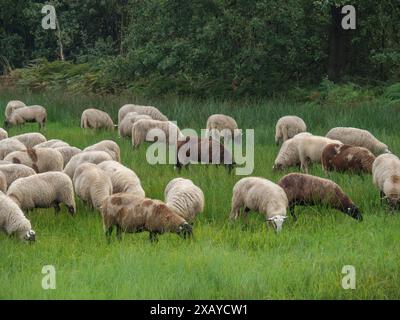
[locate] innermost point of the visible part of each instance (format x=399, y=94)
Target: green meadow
x=225, y=260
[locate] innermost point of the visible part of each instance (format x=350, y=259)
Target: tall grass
x=226, y=260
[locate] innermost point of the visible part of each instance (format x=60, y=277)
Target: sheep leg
x=57, y=208
x=153, y=237
x=382, y=196
x=108, y=234
x=304, y=164
x=235, y=211
x=292, y=213
x=119, y=233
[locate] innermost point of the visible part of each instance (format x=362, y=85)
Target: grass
x=225, y=261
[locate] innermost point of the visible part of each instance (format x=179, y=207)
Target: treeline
x=201, y=47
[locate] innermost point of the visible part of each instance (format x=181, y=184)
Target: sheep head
x=277, y=222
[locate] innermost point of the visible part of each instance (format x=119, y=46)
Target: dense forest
x=201, y=47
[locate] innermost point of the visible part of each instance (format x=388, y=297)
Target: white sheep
x=95, y=157
x=109, y=146
x=3, y=182
x=359, y=138
x=261, y=195
x=287, y=127
x=10, y=145
x=68, y=152
x=92, y=184
x=122, y=178
x=13, y=172
x=13, y=105
x=52, y=143
x=40, y=159
x=125, y=127
x=13, y=220
x=155, y=130
x=218, y=124
x=184, y=198
x=3, y=134
x=43, y=190
x=27, y=114
x=386, y=176
x=31, y=139
x=96, y=119
x=153, y=112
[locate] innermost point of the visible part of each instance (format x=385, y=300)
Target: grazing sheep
x=132, y=214
x=205, y=151
x=95, y=157
x=123, y=179
x=96, y=119
x=154, y=130
x=31, y=139
x=288, y=155
x=43, y=190
x=287, y=127
x=92, y=184
x=13, y=105
x=13, y=220
x=220, y=123
x=10, y=145
x=184, y=198
x=13, y=172
x=108, y=146
x=303, y=189
x=358, y=137
x=125, y=127
x=153, y=112
x=52, y=143
x=68, y=152
x=347, y=158
x=27, y=114
x=3, y=134
x=3, y=182
x=386, y=176
x=262, y=195
x=40, y=159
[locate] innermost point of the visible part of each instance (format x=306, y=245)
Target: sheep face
x=29, y=236
x=393, y=202
x=353, y=212
x=276, y=222
x=185, y=231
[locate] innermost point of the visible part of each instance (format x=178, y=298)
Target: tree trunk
x=60, y=44
x=338, y=45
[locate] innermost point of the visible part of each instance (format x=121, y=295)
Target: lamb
x=27, y=114
x=288, y=155
x=287, y=127
x=358, y=137
x=154, y=130
x=123, y=179
x=221, y=123
x=13, y=172
x=52, y=143
x=13, y=220
x=31, y=139
x=386, y=176
x=125, y=127
x=200, y=150
x=184, y=198
x=68, y=152
x=92, y=184
x=304, y=189
x=347, y=158
x=3, y=182
x=96, y=119
x=95, y=157
x=108, y=146
x=43, y=190
x=13, y=105
x=262, y=195
x=41, y=159
x=3, y=134
x=10, y=145
x=132, y=214
x=153, y=112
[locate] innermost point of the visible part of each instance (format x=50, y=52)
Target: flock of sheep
x=40, y=173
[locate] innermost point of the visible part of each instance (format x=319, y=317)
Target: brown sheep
x=347, y=158
x=304, y=189
x=206, y=151
x=133, y=214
